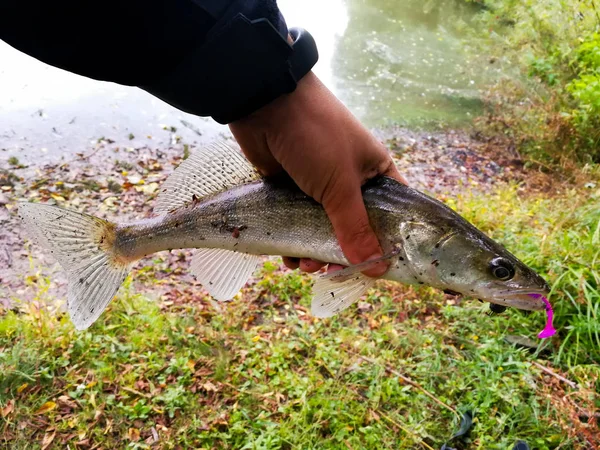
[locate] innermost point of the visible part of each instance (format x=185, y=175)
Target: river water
x=391, y=61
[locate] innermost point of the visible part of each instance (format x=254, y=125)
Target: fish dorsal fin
x=206, y=171
x=223, y=272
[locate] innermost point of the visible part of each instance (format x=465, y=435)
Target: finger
x=291, y=263
x=350, y=221
x=255, y=148
x=390, y=170
x=311, y=265
x=334, y=268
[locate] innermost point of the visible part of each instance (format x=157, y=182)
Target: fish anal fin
x=223, y=272
x=209, y=170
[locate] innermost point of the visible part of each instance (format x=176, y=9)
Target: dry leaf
x=48, y=438
x=66, y=401
x=133, y=434
x=10, y=407
x=48, y=406
x=22, y=388
x=208, y=387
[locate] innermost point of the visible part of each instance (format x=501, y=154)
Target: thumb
x=350, y=221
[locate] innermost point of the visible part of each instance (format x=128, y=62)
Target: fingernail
x=374, y=256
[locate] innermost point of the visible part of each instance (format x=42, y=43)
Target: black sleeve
x=178, y=50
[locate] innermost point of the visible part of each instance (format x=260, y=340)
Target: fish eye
x=502, y=269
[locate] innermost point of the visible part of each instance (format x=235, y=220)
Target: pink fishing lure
x=548, y=330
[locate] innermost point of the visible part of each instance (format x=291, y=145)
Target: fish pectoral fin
x=332, y=294
x=223, y=272
x=348, y=272
x=206, y=171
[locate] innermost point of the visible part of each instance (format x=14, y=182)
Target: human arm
x=157, y=45
x=219, y=58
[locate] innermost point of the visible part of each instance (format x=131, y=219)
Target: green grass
x=548, y=98
x=261, y=373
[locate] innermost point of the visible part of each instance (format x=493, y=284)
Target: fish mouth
x=521, y=299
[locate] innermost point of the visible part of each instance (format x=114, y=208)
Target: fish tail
x=84, y=246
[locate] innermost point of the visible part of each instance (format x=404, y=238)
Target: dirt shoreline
x=118, y=182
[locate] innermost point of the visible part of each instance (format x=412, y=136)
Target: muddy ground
x=118, y=182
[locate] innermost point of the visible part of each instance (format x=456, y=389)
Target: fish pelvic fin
x=209, y=170
x=334, y=292
x=331, y=296
x=84, y=247
x=223, y=272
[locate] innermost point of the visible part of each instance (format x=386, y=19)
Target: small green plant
x=552, y=108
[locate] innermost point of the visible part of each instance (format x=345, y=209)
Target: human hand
x=329, y=154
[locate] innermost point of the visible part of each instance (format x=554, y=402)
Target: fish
x=217, y=203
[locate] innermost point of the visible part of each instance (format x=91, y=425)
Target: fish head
x=470, y=263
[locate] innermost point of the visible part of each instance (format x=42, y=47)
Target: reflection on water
x=396, y=61
x=390, y=61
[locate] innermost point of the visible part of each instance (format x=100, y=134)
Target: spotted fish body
x=215, y=202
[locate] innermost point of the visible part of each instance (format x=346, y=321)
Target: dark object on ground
x=497, y=309
x=465, y=426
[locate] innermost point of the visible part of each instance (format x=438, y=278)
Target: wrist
x=282, y=118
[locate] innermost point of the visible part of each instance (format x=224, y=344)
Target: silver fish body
x=425, y=242
x=276, y=218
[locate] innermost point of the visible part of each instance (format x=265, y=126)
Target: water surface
x=391, y=61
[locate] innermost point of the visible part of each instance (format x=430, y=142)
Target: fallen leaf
x=10, y=407
x=133, y=434
x=208, y=387
x=48, y=406
x=48, y=438
x=58, y=198
x=22, y=388
x=66, y=401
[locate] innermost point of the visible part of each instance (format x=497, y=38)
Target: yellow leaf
x=151, y=188
x=22, y=388
x=58, y=198
x=48, y=406
x=191, y=364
